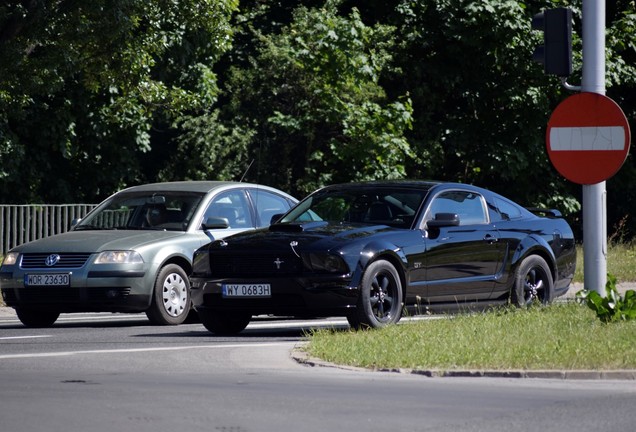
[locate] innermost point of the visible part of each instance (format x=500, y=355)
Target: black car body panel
x=471, y=252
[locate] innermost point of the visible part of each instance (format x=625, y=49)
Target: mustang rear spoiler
x=551, y=213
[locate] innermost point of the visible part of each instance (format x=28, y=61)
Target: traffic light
x=556, y=52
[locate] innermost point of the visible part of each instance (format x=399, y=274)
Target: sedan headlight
x=325, y=262
x=11, y=258
x=119, y=257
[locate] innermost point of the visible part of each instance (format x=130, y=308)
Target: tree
x=480, y=103
x=311, y=95
x=83, y=84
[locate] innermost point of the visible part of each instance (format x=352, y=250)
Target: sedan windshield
x=386, y=206
x=151, y=210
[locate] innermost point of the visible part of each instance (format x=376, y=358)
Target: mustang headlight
x=325, y=262
x=119, y=257
x=11, y=258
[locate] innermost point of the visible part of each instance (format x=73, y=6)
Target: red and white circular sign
x=588, y=138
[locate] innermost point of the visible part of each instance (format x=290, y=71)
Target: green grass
x=621, y=260
x=561, y=336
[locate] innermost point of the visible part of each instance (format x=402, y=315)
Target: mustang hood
x=96, y=241
x=310, y=235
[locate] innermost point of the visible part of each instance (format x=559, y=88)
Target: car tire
x=380, y=301
x=37, y=318
x=170, y=302
x=192, y=318
x=533, y=282
x=224, y=323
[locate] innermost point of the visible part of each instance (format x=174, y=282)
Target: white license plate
x=53, y=279
x=247, y=290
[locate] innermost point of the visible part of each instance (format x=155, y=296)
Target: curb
x=301, y=357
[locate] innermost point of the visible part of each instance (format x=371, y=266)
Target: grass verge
x=561, y=336
x=620, y=261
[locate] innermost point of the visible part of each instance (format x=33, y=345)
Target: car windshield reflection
x=157, y=211
x=390, y=206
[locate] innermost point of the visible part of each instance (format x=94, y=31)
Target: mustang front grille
x=254, y=265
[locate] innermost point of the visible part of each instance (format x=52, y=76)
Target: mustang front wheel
x=171, y=298
x=533, y=282
x=380, y=301
x=224, y=323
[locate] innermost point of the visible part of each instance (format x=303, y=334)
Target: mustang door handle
x=490, y=239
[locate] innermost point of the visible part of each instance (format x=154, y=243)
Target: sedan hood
x=96, y=241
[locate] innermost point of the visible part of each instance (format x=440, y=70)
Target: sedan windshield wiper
x=88, y=228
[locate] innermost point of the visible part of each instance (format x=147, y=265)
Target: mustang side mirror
x=215, y=223
x=275, y=218
x=443, y=220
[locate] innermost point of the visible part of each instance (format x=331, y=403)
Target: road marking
x=25, y=337
x=140, y=350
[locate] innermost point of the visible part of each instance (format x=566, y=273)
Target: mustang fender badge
x=293, y=244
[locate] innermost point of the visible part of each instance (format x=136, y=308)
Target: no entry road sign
x=588, y=138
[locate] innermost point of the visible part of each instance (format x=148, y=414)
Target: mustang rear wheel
x=171, y=297
x=380, y=301
x=37, y=317
x=224, y=323
x=533, y=282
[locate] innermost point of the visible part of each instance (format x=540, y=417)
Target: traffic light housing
x=556, y=52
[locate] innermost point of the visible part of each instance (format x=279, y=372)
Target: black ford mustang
x=373, y=251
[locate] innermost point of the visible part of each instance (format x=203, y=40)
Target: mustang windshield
x=386, y=206
x=156, y=210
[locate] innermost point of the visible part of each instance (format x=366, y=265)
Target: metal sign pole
x=594, y=196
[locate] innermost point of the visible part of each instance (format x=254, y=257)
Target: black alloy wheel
x=380, y=302
x=533, y=282
x=224, y=323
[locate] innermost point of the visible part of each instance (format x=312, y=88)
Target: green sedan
x=133, y=253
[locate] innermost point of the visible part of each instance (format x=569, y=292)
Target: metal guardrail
x=24, y=223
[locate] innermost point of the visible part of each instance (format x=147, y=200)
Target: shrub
x=612, y=307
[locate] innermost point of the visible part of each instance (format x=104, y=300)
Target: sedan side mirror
x=443, y=220
x=215, y=223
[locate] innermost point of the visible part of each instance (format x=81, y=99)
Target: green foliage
x=613, y=307
x=480, y=103
x=102, y=94
x=82, y=84
x=313, y=90
x=208, y=149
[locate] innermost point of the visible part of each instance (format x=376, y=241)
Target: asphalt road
x=101, y=372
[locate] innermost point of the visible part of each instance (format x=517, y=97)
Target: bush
x=613, y=307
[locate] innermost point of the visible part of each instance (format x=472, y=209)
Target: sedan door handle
x=490, y=239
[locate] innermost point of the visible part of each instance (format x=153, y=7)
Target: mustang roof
x=420, y=184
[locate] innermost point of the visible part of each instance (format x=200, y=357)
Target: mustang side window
x=508, y=210
x=469, y=206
